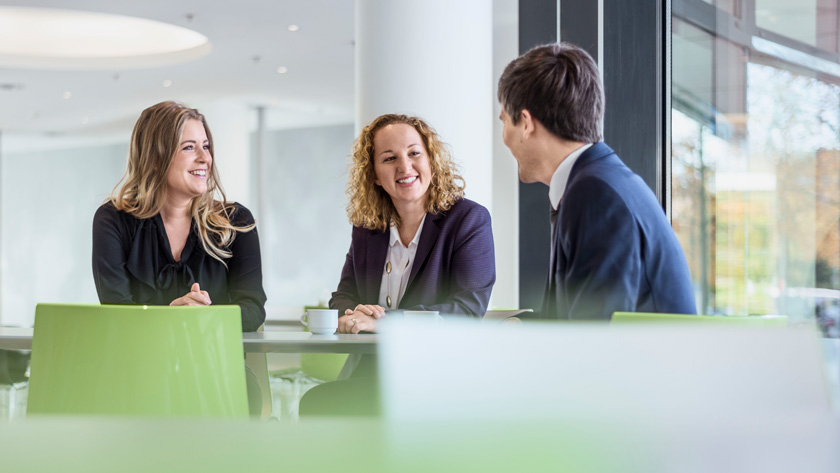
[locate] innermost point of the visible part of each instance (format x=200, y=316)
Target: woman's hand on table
x=195, y=297
x=372, y=310
x=362, y=319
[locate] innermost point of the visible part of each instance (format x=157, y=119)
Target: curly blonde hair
x=369, y=205
x=142, y=190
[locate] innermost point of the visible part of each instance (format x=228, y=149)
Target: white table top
x=305, y=342
x=17, y=338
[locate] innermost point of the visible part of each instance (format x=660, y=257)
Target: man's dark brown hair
x=559, y=85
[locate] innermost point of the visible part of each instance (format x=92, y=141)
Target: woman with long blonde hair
x=167, y=235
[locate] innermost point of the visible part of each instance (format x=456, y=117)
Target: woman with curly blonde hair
x=163, y=237
x=417, y=243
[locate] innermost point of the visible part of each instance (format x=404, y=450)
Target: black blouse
x=133, y=264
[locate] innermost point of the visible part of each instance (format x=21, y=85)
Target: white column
x=231, y=122
x=505, y=170
x=433, y=59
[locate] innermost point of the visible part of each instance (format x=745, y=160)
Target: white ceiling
x=250, y=41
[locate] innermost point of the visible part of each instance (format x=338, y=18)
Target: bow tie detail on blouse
x=176, y=273
x=147, y=252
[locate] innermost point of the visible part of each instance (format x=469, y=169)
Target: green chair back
x=150, y=361
x=752, y=320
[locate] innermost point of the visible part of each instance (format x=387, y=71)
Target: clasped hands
x=361, y=319
x=195, y=297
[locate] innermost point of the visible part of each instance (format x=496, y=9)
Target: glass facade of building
x=756, y=156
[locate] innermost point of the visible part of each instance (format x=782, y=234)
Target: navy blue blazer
x=614, y=249
x=453, y=272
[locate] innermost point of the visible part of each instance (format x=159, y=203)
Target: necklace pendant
x=388, y=267
x=388, y=300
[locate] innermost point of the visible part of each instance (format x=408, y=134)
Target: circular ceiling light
x=44, y=38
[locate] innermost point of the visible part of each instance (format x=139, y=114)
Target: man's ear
x=529, y=124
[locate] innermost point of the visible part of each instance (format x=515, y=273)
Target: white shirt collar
x=395, y=234
x=561, y=176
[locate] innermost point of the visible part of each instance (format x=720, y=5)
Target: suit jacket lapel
x=428, y=237
x=377, y=250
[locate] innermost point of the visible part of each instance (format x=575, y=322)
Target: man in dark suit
x=612, y=247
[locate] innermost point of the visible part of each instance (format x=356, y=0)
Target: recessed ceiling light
x=67, y=94
x=293, y=27
x=167, y=83
x=45, y=38
x=282, y=70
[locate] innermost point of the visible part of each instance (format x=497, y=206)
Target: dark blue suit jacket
x=453, y=272
x=614, y=249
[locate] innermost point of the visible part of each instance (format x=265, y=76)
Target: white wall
x=48, y=201
x=505, y=172
x=304, y=232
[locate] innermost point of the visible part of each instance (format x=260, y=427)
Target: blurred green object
x=321, y=366
x=752, y=320
x=13, y=383
x=630, y=444
x=13, y=366
x=147, y=361
x=70, y=445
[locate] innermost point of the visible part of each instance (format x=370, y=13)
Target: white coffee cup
x=320, y=321
x=423, y=315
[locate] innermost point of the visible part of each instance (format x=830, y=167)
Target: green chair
x=148, y=361
x=752, y=320
x=322, y=366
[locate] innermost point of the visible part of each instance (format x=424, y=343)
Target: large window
x=756, y=155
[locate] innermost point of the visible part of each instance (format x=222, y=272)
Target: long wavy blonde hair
x=142, y=190
x=369, y=205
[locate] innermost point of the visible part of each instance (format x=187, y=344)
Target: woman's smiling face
x=190, y=168
x=401, y=164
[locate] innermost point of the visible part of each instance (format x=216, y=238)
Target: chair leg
x=257, y=363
